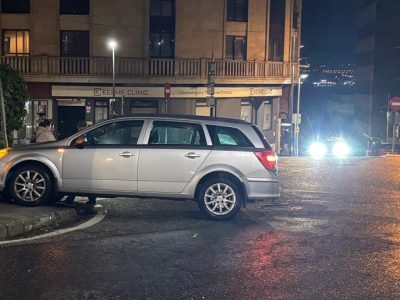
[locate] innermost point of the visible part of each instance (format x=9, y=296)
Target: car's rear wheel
x=31, y=185
x=220, y=198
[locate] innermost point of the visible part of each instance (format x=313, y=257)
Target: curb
x=47, y=221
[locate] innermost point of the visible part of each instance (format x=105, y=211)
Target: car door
x=172, y=156
x=106, y=162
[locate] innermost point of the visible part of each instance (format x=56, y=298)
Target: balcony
x=132, y=70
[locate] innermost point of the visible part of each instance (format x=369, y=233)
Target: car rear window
x=262, y=138
x=228, y=137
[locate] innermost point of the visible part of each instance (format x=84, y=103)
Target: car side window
x=228, y=137
x=177, y=133
x=116, y=133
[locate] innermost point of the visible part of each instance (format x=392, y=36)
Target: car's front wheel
x=30, y=185
x=220, y=198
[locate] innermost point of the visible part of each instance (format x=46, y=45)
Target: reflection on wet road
x=334, y=234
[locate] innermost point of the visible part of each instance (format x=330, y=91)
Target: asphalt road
x=334, y=234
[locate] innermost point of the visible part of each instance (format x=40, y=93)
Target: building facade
x=378, y=62
x=168, y=52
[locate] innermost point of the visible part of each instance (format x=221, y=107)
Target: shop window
x=162, y=29
x=144, y=107
x=202, y=109
x=100, y=111
x=74, y=7
x=235, y=47
x=267, y=119
x=246, y=111
x=237, y=10
x=74, y=43
x=15, y=42
x=16, y=6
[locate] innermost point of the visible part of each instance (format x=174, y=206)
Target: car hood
x=34, y=146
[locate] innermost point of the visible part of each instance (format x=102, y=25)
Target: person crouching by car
x=43, y=132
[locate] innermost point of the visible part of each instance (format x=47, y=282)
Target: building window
x=235, y=47
x=162, y=29
x=162, y=8
x=15, y=42
x=296, y=15
x=16, y=6
x=74, y=43
x=277, y=30
x=74, y=7
x=237, y=10
x=275, y=49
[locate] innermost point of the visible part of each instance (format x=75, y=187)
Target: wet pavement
x=334, y=234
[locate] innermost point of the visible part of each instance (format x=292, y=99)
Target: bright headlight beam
x=317, y=150
x=341, y=150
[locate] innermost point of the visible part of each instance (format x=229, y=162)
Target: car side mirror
x=80, y=142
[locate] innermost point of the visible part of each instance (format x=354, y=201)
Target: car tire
x=31, y=185
x=220, y=198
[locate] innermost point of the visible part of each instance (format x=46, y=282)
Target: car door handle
x=126, y=154
x=192, y=155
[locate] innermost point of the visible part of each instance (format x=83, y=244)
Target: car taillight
x=267, y=158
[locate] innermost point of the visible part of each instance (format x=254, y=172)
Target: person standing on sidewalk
x=43, y=132
x=82, y=125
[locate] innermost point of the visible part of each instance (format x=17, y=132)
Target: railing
x=131, y=67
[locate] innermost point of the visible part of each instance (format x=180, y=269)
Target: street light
x=297, y=119
x=112, y=44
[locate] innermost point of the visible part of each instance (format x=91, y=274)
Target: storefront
x=92, y=103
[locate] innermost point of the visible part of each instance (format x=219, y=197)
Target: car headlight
x=341, y=150
x=4, y=152
x=317, y=150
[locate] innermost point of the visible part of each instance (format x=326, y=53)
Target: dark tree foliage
x=15, y=94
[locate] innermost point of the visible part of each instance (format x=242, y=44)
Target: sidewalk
x=17, y=220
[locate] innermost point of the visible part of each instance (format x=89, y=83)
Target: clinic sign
x=159, y=92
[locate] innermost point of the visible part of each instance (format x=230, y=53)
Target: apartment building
x=166, y=50
x=378, y=62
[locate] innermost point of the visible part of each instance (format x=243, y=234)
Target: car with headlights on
x=220, y=163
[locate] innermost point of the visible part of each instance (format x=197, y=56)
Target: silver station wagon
x=220, y=163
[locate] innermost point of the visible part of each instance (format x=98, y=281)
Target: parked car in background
x=379, y=149
x=220, y=163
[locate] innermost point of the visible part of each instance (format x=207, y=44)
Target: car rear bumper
x=262, y=189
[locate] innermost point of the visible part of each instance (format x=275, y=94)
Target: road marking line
x=93, y=221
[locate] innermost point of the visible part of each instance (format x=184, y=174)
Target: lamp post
x=113, y=45
x=297, y=119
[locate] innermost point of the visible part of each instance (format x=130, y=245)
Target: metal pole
x=296, y=126
x=387, y=118
x=394, y=131
x=292, y=95
x=113, y=83
x=3, y=114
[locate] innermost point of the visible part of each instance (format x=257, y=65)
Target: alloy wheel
x=220, y=199
x=29, y=185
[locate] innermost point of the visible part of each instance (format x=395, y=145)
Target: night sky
x=329, y=26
